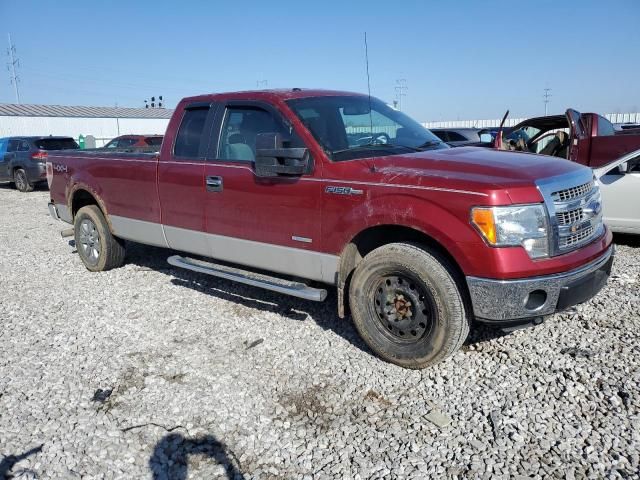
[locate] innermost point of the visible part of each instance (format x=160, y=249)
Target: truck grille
x=577, y=238
x=573, y=192
x=575, y=211
x=567, y=218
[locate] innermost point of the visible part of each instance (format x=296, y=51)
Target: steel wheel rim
x=89, y=239
x=403, y=307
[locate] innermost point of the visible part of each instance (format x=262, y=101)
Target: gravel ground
x=152, y=372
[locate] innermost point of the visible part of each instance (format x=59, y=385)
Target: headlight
x=521, y=225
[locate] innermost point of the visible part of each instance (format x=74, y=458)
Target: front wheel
x=21, y=181
x=99, y=250
x=407, y=306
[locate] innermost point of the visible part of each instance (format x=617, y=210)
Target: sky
x=460, y=59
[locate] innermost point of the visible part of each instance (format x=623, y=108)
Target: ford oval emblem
x=593, y=208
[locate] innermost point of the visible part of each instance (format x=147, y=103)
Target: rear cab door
x=181, y=184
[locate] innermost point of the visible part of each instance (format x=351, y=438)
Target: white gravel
x=152, y=372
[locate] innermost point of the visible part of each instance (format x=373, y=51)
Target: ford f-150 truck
x=296, y=190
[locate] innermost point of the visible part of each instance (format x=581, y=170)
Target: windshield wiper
x=430, y=143
x=381, y=146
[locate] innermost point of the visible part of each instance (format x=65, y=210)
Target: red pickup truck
x=296, y=190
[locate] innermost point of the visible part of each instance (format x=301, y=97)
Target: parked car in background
x=627, y=126
x=416, y=237
x=620, y=189
x=586, y=138
x=23, y=159
x=145, y=142
x=589, y=139
x=458, y=137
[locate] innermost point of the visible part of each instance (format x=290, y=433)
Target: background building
x=104, y=123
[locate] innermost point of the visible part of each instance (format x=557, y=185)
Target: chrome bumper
x=504, y=300
x=60, y=212
x=53, y=211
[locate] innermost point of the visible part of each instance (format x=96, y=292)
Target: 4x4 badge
x=342, y=190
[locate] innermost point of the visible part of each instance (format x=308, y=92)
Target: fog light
x=536, y=300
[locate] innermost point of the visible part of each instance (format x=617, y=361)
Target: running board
x=275, y=284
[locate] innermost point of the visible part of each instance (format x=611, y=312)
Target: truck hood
x=472, y=169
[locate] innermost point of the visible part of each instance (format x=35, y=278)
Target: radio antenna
x=366, y=57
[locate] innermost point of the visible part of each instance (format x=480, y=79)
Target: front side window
x=350, y=127
x=190, y=133
x=241, y=127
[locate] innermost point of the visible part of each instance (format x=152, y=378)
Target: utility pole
x=11, y=66
x=401, y=91
x=546, y=100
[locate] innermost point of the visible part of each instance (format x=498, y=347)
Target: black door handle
x=214, y=184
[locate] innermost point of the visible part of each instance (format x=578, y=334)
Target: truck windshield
x=350, y=127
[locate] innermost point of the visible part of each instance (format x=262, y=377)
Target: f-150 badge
x=342, y=190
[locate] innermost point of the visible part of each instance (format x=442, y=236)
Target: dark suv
x=23, y=159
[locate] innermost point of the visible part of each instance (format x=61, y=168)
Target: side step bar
x=275, y=284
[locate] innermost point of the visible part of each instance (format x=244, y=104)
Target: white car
x=620, y=188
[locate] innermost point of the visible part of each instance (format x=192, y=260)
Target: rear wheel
x=407, y=306
x=21, y=181
x=99, y=250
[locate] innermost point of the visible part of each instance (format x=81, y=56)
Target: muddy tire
x=99, y=250
x=407, y=306
x=21, y=181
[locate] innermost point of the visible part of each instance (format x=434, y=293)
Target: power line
x=11, y=66
x=546, y=100
x=401, y=91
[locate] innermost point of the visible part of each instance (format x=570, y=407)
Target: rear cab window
x=4, y=144
x=189, y=139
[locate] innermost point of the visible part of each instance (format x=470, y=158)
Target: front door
x=269, y=223
x=181, y=186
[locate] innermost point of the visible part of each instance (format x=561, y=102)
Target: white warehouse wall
x=103, y=129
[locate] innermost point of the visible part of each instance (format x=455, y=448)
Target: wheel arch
x=82, y=196
x=376, y=236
